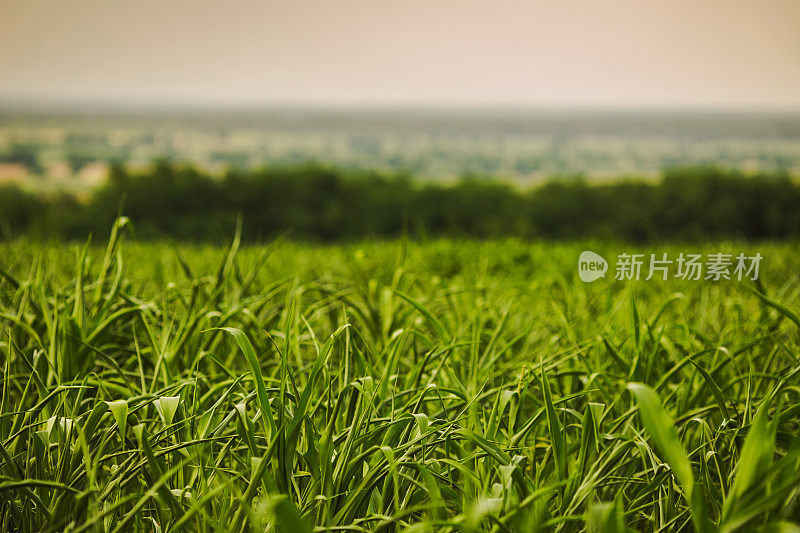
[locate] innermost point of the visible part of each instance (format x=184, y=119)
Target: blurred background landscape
x=324, y=174
x=72, y=149
x=361, y=120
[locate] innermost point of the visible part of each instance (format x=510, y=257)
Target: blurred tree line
x=324, y=204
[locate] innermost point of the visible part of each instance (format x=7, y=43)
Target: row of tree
x=324, y=204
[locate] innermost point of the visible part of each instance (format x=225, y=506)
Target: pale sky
x=677, y=53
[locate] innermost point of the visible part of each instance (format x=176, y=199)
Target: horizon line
x=111, y=104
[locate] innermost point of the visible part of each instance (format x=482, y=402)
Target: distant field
x=71, y=148
x=456, y=386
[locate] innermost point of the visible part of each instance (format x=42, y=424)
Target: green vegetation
x=315, y=203
x=451, y=385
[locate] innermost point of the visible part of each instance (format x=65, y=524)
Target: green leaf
x=556, y=433
x=119, y=410
x=261, y=391
x=167, y=406
x=754, y=460
x=660, y=427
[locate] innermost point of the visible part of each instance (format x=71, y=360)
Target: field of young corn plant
x=436, y=386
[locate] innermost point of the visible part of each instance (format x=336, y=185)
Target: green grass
x=455, y=386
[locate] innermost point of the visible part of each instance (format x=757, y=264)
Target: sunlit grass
x=457, y=386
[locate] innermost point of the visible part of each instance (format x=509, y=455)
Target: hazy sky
x=722, y=53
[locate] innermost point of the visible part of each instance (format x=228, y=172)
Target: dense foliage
x=373, y=387
x=322, y=204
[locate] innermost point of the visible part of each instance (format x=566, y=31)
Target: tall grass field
x=393, y=386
